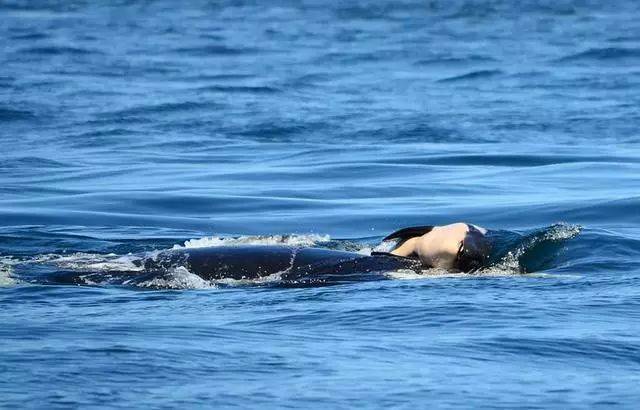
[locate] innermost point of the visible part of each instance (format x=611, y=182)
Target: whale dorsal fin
x=408, y=233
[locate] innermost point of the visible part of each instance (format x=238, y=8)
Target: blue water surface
x=130, y=127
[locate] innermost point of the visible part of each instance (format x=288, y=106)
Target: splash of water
x=176, y=278
x=511, y=262
x=291, y=240
x=6, y=269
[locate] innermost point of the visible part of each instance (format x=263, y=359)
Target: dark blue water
x=131, y=127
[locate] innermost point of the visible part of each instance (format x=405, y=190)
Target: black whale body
x=292, y=263
x=294, y=266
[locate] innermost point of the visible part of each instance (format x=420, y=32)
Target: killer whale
x=290, y=263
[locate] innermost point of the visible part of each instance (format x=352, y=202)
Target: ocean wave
x=11, y=114
x=162, y=108
x=239, y=89
x=275, y=131
x=602, y=54
x=30, y=36
x=570, y=348
x=622, y=209
x=7, y=81
x=534, y=250
x=215, y=50
x=31, y=162
x=310, y=80
x=473, y=75
x=454, y=61
x=197, y=78
x=513, y=160
x=59, y=50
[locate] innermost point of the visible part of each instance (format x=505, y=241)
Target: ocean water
x=131, y=127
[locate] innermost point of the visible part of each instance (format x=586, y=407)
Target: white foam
x=92, y=261
x=292, y=240
x=509, y=262
x=177, y=278
x=385, y=246
x=562, y=231
x=408, y=274
x=366, y=251
x=6, y=269
x=274, y=277
x=437, y=273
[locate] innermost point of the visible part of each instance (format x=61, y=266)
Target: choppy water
x=129, y=127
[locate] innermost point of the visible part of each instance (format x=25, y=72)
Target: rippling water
x=131, y=127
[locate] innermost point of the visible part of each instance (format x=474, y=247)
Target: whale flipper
x=408, y=233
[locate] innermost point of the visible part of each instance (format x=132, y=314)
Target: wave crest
x=291, y=240
x=603, y=54
x=535, y=249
